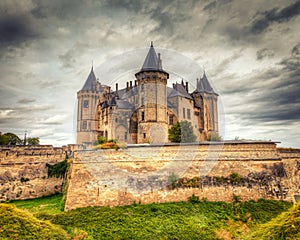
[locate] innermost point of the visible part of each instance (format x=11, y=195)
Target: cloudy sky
x=250, y=51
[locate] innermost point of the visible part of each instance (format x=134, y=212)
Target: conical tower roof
x=204, y=86
x=151, y=60
x=91, y=82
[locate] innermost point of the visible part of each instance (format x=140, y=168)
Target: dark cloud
x=266, y=18
x=131, y=5
x=278, y=99
x=26, y=100
x=213, y=5
x=16, y=30
x=264, y=53
x=64, y=9
x=296, y=51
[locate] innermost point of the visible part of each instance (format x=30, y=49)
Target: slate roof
x=123, y=104
x=179, y=90
x=151, y=60
x=203, y=85
x=91, y=82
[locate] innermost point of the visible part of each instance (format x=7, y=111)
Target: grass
x=46, y=205
x=18, y=224
x=182, y=220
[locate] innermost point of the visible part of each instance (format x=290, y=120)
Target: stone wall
x=23, y=171
x=216, y=171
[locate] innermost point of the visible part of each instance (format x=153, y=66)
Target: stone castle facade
x=144, y=110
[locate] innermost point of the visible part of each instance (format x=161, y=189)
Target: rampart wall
x=23, y=171
x=217, y=172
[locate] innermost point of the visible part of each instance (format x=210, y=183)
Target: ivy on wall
x=57, y=170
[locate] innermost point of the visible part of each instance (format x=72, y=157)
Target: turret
x=87, y=98
x=152, y=99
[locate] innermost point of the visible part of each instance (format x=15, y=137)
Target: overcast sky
x=250, y=51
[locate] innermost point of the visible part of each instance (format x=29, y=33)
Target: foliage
x=45, y=205
x=110, y=144
x=100, y=140
x=175, y=133
x=285, y=226
x=214, y=136
x=18, y=224
x=10, y=139
x=33, y=141
x=172, y=180
x=182, y=132
x=182, y=220
x=235, y=178
x=4, y=140
x=57, y=170
x=194, y=199
x=236, y=198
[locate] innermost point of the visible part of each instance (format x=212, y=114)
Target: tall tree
x=13, y=139
x=33, y=141
x=182, y=132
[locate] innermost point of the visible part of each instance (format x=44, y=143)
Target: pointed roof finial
x=92, y=64
x=151, y=44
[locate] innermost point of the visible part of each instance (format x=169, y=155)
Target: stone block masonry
x=23, y=171
x=213, y=171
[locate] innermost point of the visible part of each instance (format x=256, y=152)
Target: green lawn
x=48, y=205
x=182, y=220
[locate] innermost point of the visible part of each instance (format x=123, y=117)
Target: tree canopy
x=13, y=139
x=10, y=139
x=33, y=141
x=182, y=132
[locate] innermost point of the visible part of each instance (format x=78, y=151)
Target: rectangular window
x=142, y=101
x=183, y=112
x=144, y=135
x=86, y=103
x=84, y=125
x=142, y=88
x=188, y=113
x=171, y=120
x=143, y=116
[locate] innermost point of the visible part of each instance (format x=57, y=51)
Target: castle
x=144, y=110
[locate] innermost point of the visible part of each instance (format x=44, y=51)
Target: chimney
x=127, y=86
x=130, y=84
x=174, y=85
x=187, y=86
x=117, y=88
x=159, y=62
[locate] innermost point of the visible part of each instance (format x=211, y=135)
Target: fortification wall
x=23, y=171
x=218, y=172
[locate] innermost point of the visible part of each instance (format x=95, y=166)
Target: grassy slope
x=19, y=224
x=183, y=220
x=47, y=205
x=285, y=226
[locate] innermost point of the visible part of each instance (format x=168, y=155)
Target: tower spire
x=151, y=44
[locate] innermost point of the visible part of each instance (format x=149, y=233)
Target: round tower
x=152, y=100
x=88, y=98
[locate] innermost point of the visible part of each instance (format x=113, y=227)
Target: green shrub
x=57, y=170
x=235, y=178
x=214, y=136
x=182, y=132
x=193, y=199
